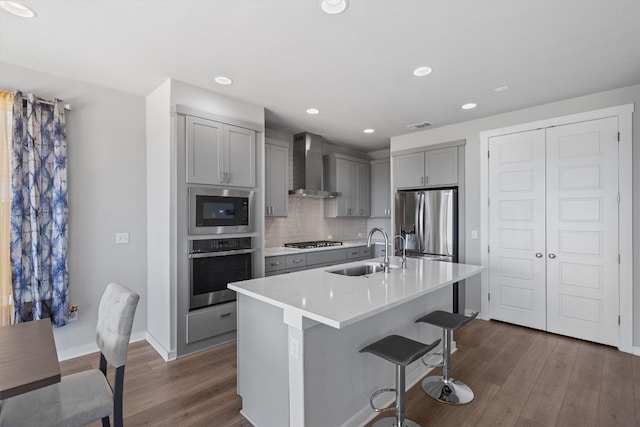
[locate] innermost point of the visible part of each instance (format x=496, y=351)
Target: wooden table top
x=28, y=358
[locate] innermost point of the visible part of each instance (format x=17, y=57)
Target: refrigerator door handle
x=420, y=222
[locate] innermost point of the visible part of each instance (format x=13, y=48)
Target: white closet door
x=582, y=230
x=517, y=228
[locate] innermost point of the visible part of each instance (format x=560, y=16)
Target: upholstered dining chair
x=83, y=397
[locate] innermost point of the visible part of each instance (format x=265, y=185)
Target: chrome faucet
x=404, y=250
x=385, y=262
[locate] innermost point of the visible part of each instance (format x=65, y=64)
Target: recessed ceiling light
x=469, y=106
x=501, y=89
x=17, y=9
x=312, y=111
x=334, y=7
x=369, y=130
x=422, y=71
x=222, y=80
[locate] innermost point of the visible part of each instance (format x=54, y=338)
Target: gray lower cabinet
x=282, y=264
x=211, y=321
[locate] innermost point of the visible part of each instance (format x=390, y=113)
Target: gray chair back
x=115, y=319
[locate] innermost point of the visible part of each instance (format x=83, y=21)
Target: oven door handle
x=221, y=253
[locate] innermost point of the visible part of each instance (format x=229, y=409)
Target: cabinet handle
x=228, y=177
x=426, y=180
x=552, y=256
x=296, y=261
x=275, y=264
x=222, y=177
x=225, y=315
x=538, y=255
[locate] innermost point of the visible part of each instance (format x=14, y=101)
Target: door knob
x=538, y=255
x=552, y=256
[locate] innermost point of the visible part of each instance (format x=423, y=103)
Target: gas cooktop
x=313, y=244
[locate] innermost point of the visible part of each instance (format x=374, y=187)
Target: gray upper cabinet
x=220, y=154
x=276, y=178
x=350, y=176
x=381, y=188
x=426, y=168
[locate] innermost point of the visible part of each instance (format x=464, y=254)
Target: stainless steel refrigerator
x=428, y=220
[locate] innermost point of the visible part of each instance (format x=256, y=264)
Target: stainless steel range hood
x=307, y=167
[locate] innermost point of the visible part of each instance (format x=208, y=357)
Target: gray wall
x=470, y=131
x=106, y=173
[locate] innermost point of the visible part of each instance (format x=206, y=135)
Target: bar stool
x=444, y=388
x=401, y=351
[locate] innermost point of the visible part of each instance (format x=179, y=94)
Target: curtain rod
x=44, y=101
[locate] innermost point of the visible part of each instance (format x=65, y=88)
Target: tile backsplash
x=306, y=221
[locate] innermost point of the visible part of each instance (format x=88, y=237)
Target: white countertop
x=281, y=250
x=339, y=301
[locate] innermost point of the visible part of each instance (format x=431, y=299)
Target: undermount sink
x=361, y=270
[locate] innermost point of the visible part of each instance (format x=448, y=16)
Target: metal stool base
x=393, y=422
x=453, y=392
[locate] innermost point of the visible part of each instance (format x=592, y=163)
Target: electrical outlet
x=122, y=238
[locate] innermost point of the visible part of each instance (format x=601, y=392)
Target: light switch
x=474, y=234
x=122, y=238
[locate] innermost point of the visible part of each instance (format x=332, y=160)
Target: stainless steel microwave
x=220, y=211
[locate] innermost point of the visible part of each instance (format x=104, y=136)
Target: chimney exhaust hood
x=307, y=167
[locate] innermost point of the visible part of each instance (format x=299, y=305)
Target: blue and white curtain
x=39, y=211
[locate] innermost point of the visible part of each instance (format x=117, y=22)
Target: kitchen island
x=299, y=337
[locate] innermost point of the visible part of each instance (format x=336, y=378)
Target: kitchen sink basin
x=361, y=270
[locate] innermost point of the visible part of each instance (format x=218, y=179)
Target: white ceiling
x=287, y=55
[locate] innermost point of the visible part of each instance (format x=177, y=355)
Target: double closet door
x=553, y=221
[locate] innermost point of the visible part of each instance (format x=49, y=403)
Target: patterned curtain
x=39, y=212
x=6, y=134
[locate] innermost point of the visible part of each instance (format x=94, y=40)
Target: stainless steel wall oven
x=215, y=262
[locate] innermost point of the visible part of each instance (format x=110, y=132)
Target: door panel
x=582, y=230
x=241, y=156
x=517, y=227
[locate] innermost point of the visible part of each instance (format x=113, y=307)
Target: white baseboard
x=83, y=350
x=167, y=355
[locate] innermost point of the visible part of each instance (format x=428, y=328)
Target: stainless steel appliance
x=213, y=263
x=428, y=220
x=308, y=168
x=312, y=244
x=220, y=211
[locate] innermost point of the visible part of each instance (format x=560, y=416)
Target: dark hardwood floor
x=520, y=377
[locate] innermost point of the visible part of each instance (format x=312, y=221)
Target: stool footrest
x=432, y=365
x=391, y=407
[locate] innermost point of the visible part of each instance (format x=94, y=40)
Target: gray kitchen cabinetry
x=281, y=264
x=351, y=177
x=276, y=178
x=211, y=322
x=220, y=154
x=284, y=264
x=381, y=188
x=426, y=168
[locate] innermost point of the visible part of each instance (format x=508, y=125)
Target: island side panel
x=339, y=380
x=263, y=368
